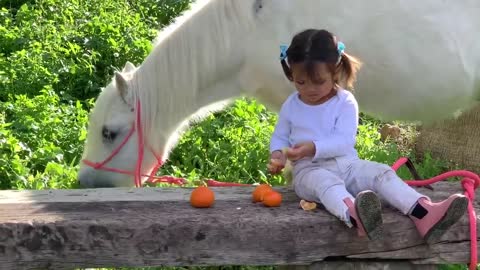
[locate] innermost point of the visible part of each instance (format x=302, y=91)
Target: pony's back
x=416, y=54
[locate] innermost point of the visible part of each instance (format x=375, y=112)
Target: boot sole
x=369, y=211
x=454, y=212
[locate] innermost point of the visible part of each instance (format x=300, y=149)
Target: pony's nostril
x=85, y=183
x=85, y=180
x=89, y=178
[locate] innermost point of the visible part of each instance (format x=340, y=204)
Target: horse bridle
x=140, y=154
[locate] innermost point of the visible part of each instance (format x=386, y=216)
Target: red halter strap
x=138, y=166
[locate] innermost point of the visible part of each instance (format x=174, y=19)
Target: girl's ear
x=287, y=70
x=338, y=72
x=336, y=77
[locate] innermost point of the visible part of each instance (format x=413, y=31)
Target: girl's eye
x=300, y=82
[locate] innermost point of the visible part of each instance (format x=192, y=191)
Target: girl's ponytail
x=347, y=70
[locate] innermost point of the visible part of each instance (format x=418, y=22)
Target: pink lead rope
x=470, y=180
x=138, y=166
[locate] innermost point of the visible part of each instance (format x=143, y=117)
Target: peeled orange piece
x=307, y=206
x=202, y=197
x=272, y=199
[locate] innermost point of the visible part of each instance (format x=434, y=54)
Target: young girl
x=318, y=126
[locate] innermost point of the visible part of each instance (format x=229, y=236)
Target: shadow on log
x=64, y=229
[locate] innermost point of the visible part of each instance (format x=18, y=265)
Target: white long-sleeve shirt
x=332, y=126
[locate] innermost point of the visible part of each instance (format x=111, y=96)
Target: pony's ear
x=122, y=87
x=128, y=67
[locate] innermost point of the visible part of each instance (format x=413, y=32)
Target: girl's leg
x=431, y=219
x=434, y=219
x=320, y=185
x=380, y=178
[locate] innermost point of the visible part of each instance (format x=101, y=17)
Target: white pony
x=421, y=62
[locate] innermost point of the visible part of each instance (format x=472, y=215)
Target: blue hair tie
x=283, y=52
x=340, y=47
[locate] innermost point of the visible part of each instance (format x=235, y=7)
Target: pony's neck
x=188, y=57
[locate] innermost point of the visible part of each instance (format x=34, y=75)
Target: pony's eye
x=108, y=135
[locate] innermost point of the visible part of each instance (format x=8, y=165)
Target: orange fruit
x=202, y=197
x=259, y=192
x=272, y=199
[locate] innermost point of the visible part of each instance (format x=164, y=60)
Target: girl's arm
x=342, y=140
x=281, y=133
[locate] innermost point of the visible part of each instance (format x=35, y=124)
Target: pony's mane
x=186, y=57
x=168, y=30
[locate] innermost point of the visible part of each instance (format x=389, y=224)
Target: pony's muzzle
x=88, y=178
x=85, y=178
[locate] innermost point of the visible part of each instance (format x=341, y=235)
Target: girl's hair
x=313, y=46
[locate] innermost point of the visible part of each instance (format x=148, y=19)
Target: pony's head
x=112, y=145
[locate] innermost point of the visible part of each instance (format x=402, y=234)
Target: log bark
x=64, y=229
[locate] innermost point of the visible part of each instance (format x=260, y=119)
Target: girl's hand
x=301, y=150
x=277, y=162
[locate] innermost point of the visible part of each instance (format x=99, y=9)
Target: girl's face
x=312, y=90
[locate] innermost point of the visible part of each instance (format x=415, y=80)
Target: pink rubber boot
x=434, y=219
x=366, y=214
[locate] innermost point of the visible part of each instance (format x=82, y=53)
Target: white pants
x=330, y=181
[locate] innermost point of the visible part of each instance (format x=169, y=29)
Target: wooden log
x=362, y=265
x=63, y=229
